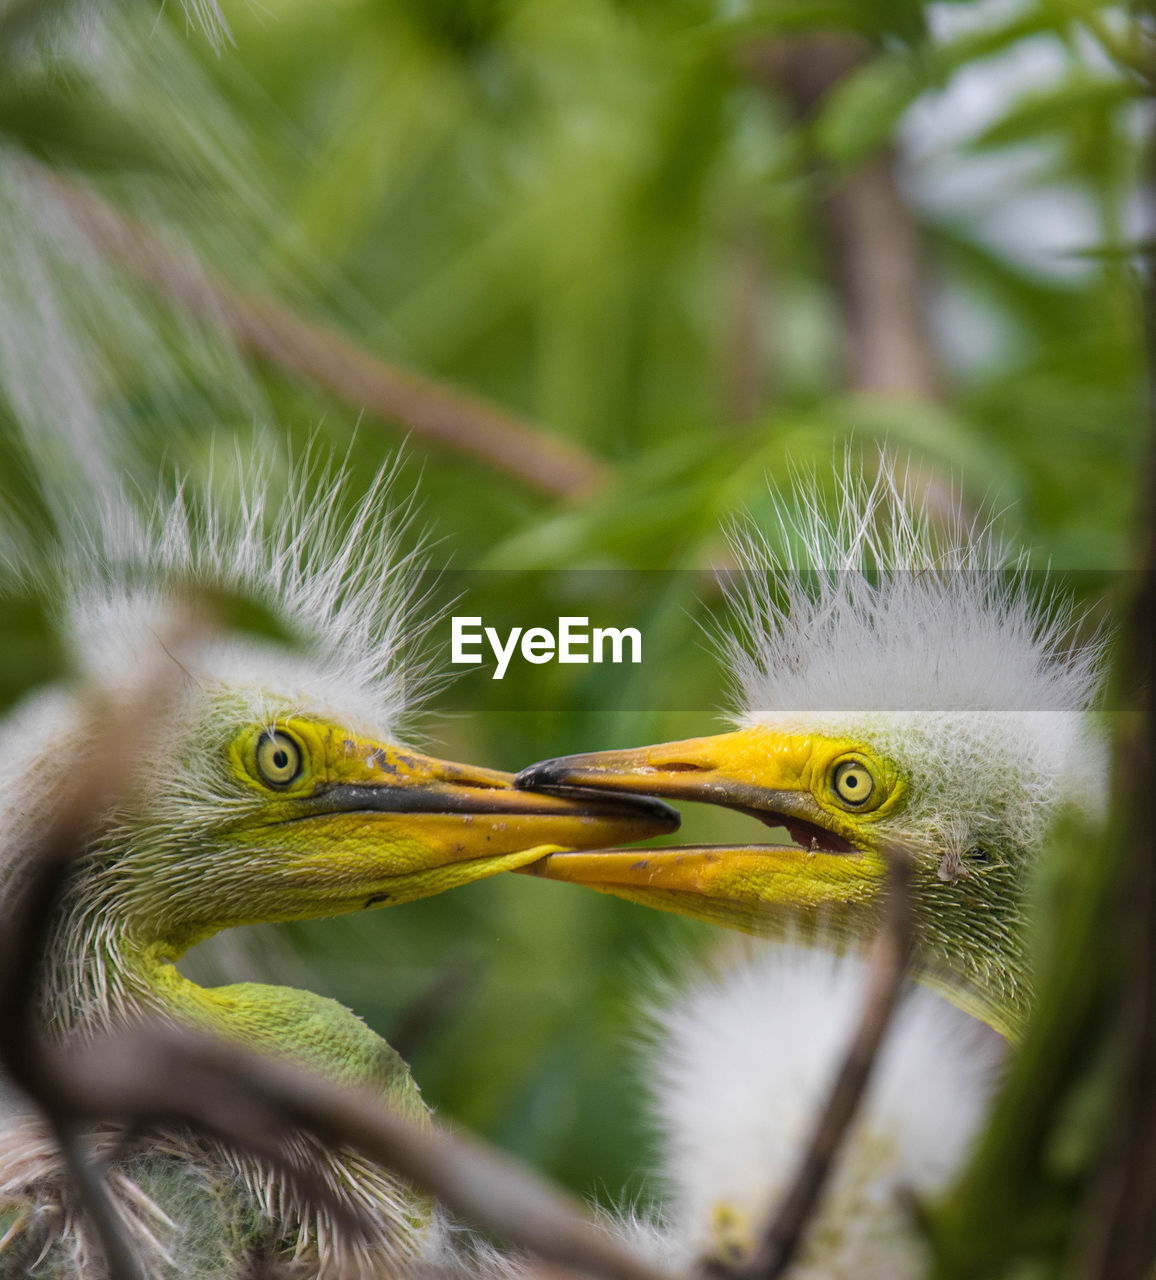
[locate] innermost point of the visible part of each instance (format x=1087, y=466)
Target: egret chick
x=896, y=685
x=277, y=788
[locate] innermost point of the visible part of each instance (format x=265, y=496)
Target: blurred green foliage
x=584, y=212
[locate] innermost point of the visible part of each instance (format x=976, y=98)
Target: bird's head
x=277, y=783
x=916, y=696
x=259, y=804
x=968, y=797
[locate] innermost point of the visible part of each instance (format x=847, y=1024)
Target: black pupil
x=280, y=757
x=852, y=781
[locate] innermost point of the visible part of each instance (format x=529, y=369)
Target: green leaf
x=861, y=112
x=1055, y=109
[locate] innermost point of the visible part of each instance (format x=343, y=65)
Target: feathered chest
x=195, y=1210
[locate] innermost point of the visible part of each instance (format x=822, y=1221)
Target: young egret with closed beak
x=899, y=685
x=277, y=787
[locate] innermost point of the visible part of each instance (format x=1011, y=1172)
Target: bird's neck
x=316, y=1032
x=973, y=947
x=103, y=977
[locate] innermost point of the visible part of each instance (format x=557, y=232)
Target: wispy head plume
x=866, y=603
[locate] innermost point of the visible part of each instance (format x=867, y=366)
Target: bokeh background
x=650, y=253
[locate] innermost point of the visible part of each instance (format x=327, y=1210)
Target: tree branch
x=872, y=241
x=886, y=975
x=155, y=1075
x=442, y=414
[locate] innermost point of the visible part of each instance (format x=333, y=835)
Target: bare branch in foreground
x=887, y=973
x=160, y=1075
x=104, y=774
x=434, y=410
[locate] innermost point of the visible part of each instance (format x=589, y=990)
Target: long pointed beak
x=768, y=776
x=715, y=770
x=398, y=781
x=416, y=825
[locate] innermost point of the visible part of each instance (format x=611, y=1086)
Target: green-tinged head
x=277, y=785
x=285, y=811
x=899, y=688
x=274, y=783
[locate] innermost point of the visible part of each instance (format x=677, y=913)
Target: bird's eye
x=853, y=783
x=278, y=758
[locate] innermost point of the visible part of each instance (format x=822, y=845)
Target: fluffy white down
x=321, y=560
x=126, y=568
x=739, y=1063
x=867, y=604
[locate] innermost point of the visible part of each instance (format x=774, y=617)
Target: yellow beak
x=775, y=778
x=464, y=812
x=372, y=824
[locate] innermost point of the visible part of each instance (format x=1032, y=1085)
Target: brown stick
x=158, y=1075
x=104, y=775
x=886, y=974
x=434, y=410
x=872, y=241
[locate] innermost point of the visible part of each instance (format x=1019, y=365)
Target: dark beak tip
x=664, y=816
x=655, y=815
x=546, y=773
x=565, y=776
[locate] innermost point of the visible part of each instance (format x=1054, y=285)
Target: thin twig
x=886, y=975
x=88, y=1186
x=103, y=776
x=161, y=1075
x=871, y=239
x=434, y=410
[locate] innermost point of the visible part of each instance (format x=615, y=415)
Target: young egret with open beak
x=276, y=787
x=897, y=687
